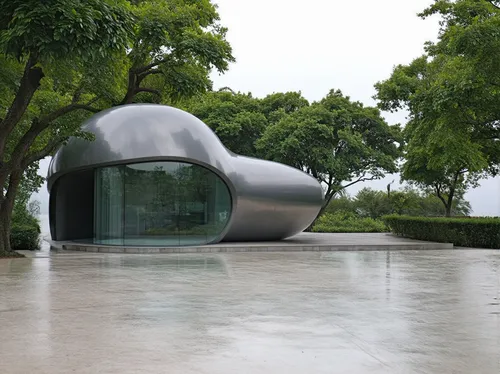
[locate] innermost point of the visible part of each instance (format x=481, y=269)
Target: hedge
x=463, y=232
x=341, y=222
x=25, y=237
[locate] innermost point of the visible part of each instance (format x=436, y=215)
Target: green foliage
x=464, y=232
x=341, y=203
x=105, y=53
x=25, y=230
x=278, y=105
x=369, y=203
x=236, y=118
x=58, y=29
x=25, y=237
x=342, y=221
x=197, y=230
x=451, y=93
x=30, y=184
x=372, y=203
x=61, y=60
x=335, y=140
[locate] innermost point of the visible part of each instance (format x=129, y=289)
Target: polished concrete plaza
x=303, y=242
x=302, y=312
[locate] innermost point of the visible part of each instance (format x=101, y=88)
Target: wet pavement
x=303, y=242
x=312, y=312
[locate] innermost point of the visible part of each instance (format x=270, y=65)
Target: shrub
x=25, y=237
x=342, y=221
x=25, y=230
x=202, y=229
x=463, y=232
x=376, y=204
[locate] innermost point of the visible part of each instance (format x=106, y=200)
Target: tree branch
x=328, y=193
x=150, y=72
x=438, y=194
x=222, y=89
x=29, y=83
x=77, y=94
x=136, y=76
x=44, y=152
x=45, y=121
x=150, y=66
x=14, y=180
x=362, y=178
x=36, y=128
x=150, y=90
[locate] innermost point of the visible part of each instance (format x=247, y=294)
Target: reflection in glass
x=108, y=207
x=159, y=204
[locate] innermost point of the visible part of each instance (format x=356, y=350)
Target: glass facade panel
x=159, y=204
x=108, y=207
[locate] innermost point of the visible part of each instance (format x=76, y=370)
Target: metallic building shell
x=270, y=201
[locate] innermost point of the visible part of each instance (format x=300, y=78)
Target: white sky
x=316, y=45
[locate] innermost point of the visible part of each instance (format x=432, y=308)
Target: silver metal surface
x=271, y=201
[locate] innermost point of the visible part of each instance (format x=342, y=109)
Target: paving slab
x=322, y=242
x=422, y=311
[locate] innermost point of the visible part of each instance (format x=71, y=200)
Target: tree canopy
x=453, y=133
x=236, y=118
x=61, y=60
x=336, y=140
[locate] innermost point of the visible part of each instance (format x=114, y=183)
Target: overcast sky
x=316, y=45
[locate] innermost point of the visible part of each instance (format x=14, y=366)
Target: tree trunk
x=448, y=210
x=28, y=85
x=6, y=208
x=448, y=203
x=320, y=213
x=5, y=249
x=132, y=86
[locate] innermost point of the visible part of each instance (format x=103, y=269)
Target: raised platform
x=302, y=242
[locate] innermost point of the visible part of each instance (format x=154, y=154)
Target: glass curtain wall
x=159, y=204
x=108, y=206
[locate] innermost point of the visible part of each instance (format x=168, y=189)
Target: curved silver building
x=158, y=176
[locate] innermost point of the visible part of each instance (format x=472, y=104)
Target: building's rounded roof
x=141, y=131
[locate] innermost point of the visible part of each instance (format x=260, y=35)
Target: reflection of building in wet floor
x=212, y=263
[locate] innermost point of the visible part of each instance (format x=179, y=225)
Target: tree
x=470, y=45
x=277, y=105
x=431, y=206
x=236, y=118
x=446, y=174
x=372, y=203
x=342, y=202
x=369, y=203
x=337, y=141
x=61, y=60
x=451, y=93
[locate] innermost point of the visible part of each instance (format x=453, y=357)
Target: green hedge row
x=342, y=221
x=25, y=237
x=462, y=232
